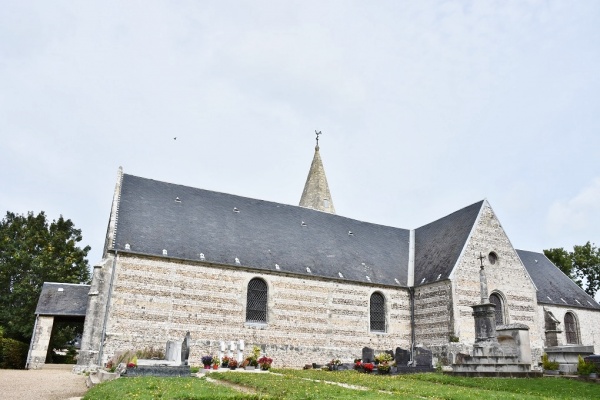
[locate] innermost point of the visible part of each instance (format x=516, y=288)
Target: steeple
x=316, y=193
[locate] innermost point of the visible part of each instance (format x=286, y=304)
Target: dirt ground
x=53, y=382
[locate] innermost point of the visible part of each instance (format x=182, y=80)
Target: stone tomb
x=423, y=359
x=175, y=363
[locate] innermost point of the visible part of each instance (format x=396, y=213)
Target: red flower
x=368, y=367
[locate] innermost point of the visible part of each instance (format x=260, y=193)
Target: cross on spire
x=318, y=133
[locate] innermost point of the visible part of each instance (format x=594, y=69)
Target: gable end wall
x=508, y=277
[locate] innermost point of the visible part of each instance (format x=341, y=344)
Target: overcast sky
x=425, y=107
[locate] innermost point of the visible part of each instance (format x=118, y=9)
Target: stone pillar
x=485, y=322
x=40, y=341
x=484, y=313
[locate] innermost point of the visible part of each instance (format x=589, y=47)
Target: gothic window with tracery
x=377, y=312
x=256, y=305
x=496, y=300
x=571, y=329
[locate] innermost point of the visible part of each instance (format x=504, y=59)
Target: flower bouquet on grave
x=368, y=367
x=207, y=361
x=358, y=365
x=132, y=363
x=233, y=364
x=383, y=362
x=384, y=368
x=216, y=362
x=265, y=363
x=225, y=361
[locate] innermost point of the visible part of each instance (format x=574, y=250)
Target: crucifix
x=318, y=133
x=481, y=258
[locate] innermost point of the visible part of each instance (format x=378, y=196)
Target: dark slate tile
x=260, y=234
x=439, y=244
x=553, y=286
x=63, y=299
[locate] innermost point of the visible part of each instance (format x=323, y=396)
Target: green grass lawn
x=310, y=384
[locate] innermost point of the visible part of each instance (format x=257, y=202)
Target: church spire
x=316, y=193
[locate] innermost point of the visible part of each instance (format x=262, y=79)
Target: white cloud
x=579, y=214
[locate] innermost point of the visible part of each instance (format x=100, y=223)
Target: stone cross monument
x=484, y=313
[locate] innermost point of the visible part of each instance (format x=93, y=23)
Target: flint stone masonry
x=307, y=320
x=433, y=313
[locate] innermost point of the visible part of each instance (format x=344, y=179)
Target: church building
x=307, y=285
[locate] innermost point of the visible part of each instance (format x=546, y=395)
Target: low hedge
x=13, y=354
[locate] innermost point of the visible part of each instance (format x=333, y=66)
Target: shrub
x=585, y=368
x=13, y=354
x=547, y=364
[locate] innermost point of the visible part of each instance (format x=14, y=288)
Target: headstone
x=423, y=357
x=185, y=349
x=367, y=355
x=174, y=351
x=402, y=357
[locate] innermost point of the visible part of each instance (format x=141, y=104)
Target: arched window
x=377, y=312
x=256, y=305
x=571, y=328
x=496, y=300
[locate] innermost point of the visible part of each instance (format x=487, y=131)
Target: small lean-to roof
x=186, y=221
x=553, y=286
x=63, y=299
x=438, y=245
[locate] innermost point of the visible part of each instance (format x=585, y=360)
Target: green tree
x=33, y=252
x=562, y=259
x=582, y=265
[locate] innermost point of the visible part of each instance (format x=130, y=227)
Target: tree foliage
x=32, y=252
x=582, y=265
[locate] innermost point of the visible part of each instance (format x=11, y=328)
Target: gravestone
x=402, y=357
x=367, y=355
x=175, y=362
x=185, y=349
x=423, y=357
x=173, y=352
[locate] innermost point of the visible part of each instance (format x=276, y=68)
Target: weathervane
x=318, y=133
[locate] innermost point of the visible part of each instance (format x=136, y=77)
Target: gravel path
x=53, y=382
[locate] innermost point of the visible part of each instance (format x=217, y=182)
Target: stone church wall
x=309, y=319
x=507, y=278
x=588, y=324
x=433, y=314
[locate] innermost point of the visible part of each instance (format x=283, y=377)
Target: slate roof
x=261, y=234
x=438, y=245
x=553, y=286
x=70, y=301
